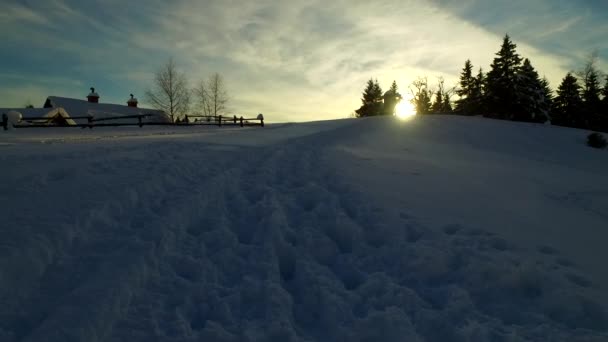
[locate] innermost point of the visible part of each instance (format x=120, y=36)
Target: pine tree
x=437, y=106
x=372, y=100
x=532, y=106
x=568, y=104
x=447, y=104
x=478, y=99
x=466, y=90
x=442, y=103
x=605, y=93
x=591, y=91
x=547, y=94
x=501, y=85
x=391, y=98
x=603, y=117
x=394, y=89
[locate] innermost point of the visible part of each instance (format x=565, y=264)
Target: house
x=70, y=111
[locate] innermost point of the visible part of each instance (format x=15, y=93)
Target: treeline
x=375, y=102
x=513, y=90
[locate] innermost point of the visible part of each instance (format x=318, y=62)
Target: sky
x=291, y=60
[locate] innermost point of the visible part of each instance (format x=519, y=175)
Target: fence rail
x=47, y=122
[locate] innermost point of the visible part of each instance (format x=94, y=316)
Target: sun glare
x=405, y=110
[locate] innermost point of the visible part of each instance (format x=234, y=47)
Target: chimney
x=132, y=102
x=93, y=97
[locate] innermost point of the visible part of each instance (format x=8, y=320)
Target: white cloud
x=293, y=60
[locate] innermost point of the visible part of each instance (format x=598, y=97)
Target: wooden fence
x=199, y=120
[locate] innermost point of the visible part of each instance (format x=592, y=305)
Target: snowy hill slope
x=436, y=229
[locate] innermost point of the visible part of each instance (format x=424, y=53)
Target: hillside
x=434, y=229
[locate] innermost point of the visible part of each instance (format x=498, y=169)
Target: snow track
x=187, y=241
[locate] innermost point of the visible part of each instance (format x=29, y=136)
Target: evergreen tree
x=391, y=98
x=547, y=94
x=478, y=99
x=591, y=91
x=532, y=106
x=605, y=93
x=568, y=104
x=466, y=89
x=603, y=117
x=501, y=85
x=437, y=106
x=372, y=100
x=447, y=104
x=442, y=104
x=394, y=89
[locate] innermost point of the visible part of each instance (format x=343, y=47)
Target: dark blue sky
x=292, y=60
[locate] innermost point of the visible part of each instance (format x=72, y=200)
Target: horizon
x=292, y=61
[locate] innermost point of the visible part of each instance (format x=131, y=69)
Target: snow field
x=295, y=237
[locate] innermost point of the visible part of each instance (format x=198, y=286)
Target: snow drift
x=436, y=229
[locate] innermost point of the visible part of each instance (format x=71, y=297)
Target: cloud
x=297, y=60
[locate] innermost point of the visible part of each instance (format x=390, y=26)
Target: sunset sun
x=405, y=110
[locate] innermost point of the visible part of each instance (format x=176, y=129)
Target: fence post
x=139, y=119
x=90, y=121
x=187, y=121
x=220, y=121
x=235, y=119
x=5, y=121
x=262, y=122
x=241, y=121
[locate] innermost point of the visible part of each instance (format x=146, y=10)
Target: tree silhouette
x=391, y=98
x=371, y=100
x=568, y=104
x=532, y=105
x=466, y=90
x=170, y=91
x=421, y=96
x=501, y=84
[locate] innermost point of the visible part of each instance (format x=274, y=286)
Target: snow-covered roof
x=76, y=107
x=28, y=112
x=31, y=113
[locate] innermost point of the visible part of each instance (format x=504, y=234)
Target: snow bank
x=307, y=232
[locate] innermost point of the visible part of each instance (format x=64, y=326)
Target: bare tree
x=170, y=91
x=421, y=95
x=212, y=95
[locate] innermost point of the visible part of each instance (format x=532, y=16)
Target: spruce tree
x=532, y=106
x=466, y=90
x=372, y=100
x=591, y=91
x=547, y=94
x=447, y=104
x=501, y=85
x=568, y=104
x=478, y=98
x=391, y=98
x=437, y=106
x=603, y=117
x=605, y=93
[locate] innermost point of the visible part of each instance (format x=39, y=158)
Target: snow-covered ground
x=434, y=229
